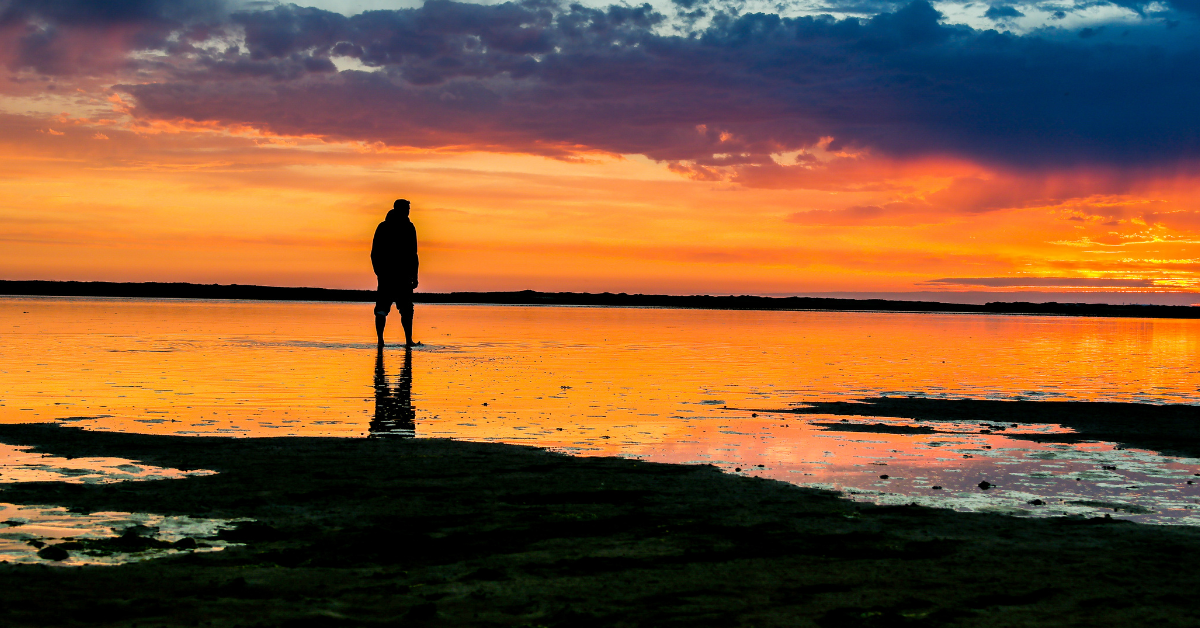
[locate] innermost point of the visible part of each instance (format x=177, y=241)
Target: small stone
x=884, y=476
x=54, y=553
x=1190, y=482
x=485, y=403
x=845, y=420
x=754, y=414
x=985, y=485
x=186, y=543
x=937, y=488
x=737, y=469
x=558, y=428
x=1108, y=467
x=36, y=543
x=1037, y=502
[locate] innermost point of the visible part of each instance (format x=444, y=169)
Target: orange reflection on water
x=668, y=385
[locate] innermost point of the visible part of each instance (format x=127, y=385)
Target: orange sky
x=111, y=200
x=94, y=188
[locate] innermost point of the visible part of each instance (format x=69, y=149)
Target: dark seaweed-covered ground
x=436, y=532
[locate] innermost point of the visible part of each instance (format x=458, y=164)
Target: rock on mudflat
x=53, y=552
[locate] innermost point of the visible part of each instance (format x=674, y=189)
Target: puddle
x=101, y=538
x=977, y=471
x=19, y=464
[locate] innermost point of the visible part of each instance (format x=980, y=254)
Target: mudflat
x=436, y=532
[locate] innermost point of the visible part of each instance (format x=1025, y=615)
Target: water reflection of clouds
x=24, y=528
x=21, y=464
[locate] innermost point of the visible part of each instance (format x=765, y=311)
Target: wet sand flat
x=357, y=532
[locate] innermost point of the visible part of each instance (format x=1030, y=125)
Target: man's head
x=399, y=210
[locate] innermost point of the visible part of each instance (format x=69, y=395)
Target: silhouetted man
x=394, y=258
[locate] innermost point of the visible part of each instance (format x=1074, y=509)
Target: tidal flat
x=362, y=532
x=242, y=463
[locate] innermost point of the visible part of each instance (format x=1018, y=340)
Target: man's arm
x=416, y=261
x=377, y=249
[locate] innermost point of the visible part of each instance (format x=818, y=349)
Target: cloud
x=108, y=12
x=1042, y=282
x=1190, y=6
x=546, y=78
x=888, y=214
x=71, y=37
x=998, y=13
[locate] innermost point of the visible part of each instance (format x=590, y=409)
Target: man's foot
x=412, y=344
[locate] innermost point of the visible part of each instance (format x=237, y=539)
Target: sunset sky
x=675, y=147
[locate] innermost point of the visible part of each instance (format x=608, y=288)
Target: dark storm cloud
x=547, y=78
x=997, y=13
x=1190, y=6
x=103, y=12
x=66, y=37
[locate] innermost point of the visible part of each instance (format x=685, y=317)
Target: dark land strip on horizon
x=380, y=532
x=609, y=299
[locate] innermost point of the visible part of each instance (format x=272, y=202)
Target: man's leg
x=383, y=305
x=406, y=319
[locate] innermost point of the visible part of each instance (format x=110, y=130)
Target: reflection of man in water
x=394, y=258
x=394, y=414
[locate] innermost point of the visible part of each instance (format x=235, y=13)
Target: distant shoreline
x=531, y=297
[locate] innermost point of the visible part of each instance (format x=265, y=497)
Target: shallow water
x=667, y=385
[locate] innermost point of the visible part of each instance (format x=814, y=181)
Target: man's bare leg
x=407, y=321
x=380, y=323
